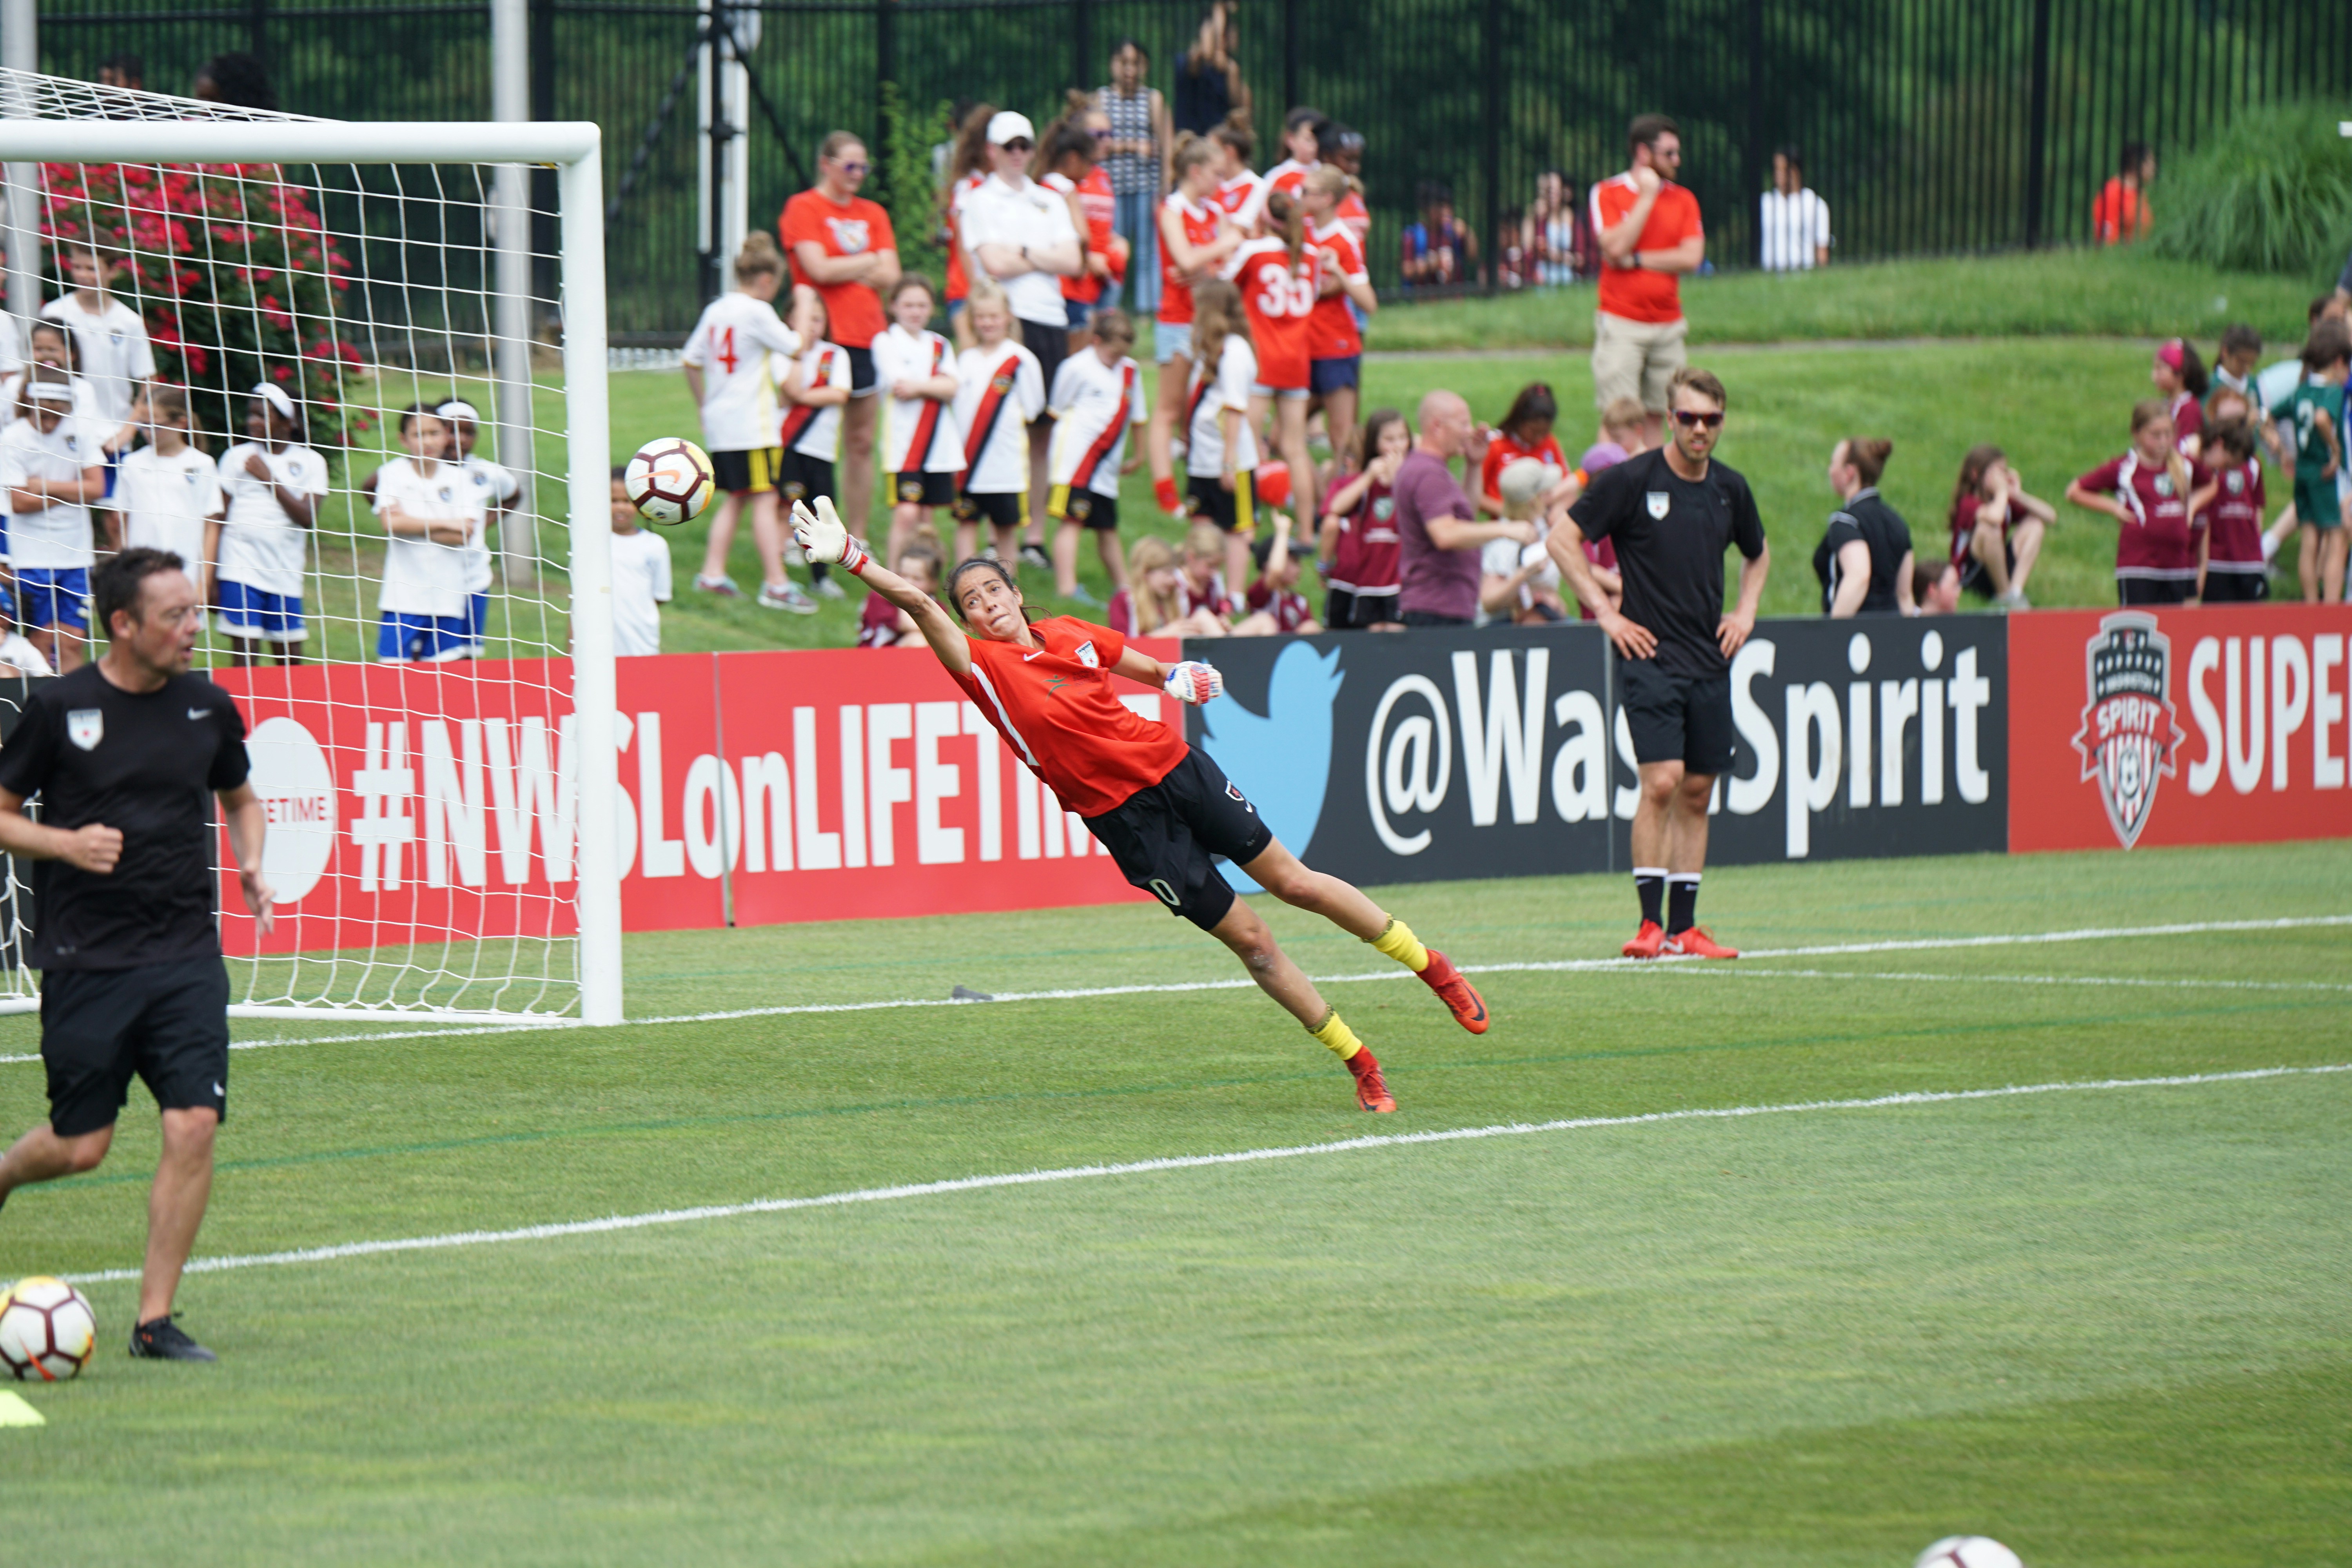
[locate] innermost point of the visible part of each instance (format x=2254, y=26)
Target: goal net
x=377, y=353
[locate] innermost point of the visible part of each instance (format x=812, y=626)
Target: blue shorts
x=423, y=639
x=1334, y=375
x=53, y=596
x=250, y=614
x=1079, y=311
x=114, y=471
x=1169, y=339
x=955, y=309
x=477, y=620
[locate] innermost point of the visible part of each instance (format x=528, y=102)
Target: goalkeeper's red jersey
x=1056, y=707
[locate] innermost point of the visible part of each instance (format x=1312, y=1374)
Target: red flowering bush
x=234, y=272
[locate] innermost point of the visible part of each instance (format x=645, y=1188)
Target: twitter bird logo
x=1281, y=760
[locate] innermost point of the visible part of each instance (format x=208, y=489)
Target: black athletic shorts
x=1233, y=511
x=1678, y=718
x=2236, y=587
x=924, y=489
x=1975, y=578
x=1345, y=610
x=1003, y=508
x=1084, y=508
x=1164, y=835
x=1051, y=346
x=1419, y=618
x=747, y=473
x=803, y=477
x=862, y=382
x=2130, y=590
x=166, y=1023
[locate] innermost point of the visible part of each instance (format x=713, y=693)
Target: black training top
x=1671, y=534
x=145, y=763
x=1881, y=529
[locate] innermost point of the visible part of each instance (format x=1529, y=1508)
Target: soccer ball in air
x=46, y=1330
x=670, y=479
x=1968, y=1551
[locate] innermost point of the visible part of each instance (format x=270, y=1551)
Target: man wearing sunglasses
x=1673, y=512
x=842, y=245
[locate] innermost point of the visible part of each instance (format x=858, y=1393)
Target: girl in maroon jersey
x=1359, y=536
x=2152, y=492
x=2229, y=567
x=1162, y=809
x=2179, y=375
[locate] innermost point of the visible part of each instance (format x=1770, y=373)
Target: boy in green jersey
x=2315, y=411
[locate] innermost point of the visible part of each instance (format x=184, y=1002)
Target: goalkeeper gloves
x=822, y=536
x=1192, y=681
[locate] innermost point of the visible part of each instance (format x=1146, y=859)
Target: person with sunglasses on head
x=1650, y=236
x=842, y=245
x=1673, y=512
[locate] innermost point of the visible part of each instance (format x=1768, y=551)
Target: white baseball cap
x=1005, y=126
x=457, y=408
x=42, y=390
x=275, y=395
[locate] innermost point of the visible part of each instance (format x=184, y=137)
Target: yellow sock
x=1399, y=943
x=1333, y=1031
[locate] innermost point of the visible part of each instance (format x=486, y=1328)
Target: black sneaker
x=1034, y=556
x=163, y=1340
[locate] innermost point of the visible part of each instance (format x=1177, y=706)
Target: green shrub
x=2271, y=193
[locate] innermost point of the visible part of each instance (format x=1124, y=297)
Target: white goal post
x=573, y=152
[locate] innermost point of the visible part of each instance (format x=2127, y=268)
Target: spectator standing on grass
x=1865, y=561
x=1303, y=129
x=842, y=245
x=968, y=169
x=2231, y=570
x=2179, y=376
x=1209, y=85
x=2314, y=415
x=1020, y=234
x=1196, y=236
x=732, y=360
x=1360, y=544
x=640, y=578
x=1438, y=530
x=1650, y=236
x=1672, y=513
x=1067, y=156
x=1335, y=327
x=2234, y=361
x=1342, y=147
x=51, y=475
x=112, y=351
x=2153, y=492
x=1526, y=431
x=168, y=497
x=1559, y=244
x=1134, y=156
x=1792, y=219
x=2119, y=214
x=1997, y=529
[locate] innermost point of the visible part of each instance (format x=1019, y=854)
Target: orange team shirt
x=1331, y=330
x=1200, y=229
x=1243, y=195
x=1357, y=217
x=1504, y=449
x=1057, y=708
x=1280, y=303
x=2118, y=216
x=1100, y=203
x=1634, y=293
x=853, y=310
x=1289, y=177
x=957, y=285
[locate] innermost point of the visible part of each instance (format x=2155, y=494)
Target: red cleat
x=1695, y=944
x=1371, y=1090
x=1469, y=1008
x=1648, y=942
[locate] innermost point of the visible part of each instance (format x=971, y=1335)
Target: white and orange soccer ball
x=46, y=1330
x=1968, y=1551
x=670, y=479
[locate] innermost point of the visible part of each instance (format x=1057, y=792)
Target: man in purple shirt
x=1438, y=526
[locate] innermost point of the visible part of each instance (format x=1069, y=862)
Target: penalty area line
x=612, y=1222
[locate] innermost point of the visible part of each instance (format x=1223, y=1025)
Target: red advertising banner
x=422, y=803
x=2179, y=726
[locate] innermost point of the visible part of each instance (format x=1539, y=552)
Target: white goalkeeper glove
x=822, y=536
x=1192, y=681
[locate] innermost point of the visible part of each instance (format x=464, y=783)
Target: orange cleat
x=1371, y=1089
x=1695, y=944
x=1648, y=942
x=1469, y=1008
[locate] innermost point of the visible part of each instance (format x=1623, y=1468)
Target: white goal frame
x=574, y=149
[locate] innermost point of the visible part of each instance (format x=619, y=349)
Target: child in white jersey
x=1097, y=397
x=734, y=383
x=427, y=520
x=50, y=344
x=51, y=471
x=168, y=496
x=816, y=393
x=921, y=446
x=1000, y=388
x=274, y=484
x=490, y=490
x=110, y=342
x=640, y=578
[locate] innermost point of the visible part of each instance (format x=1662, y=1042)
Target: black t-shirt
x=1671, y=534
x=145, y=763
x=1881, y=529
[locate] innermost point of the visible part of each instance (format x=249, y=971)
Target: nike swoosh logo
x=1027, y=657
x=220, y=1092
x=198, y=713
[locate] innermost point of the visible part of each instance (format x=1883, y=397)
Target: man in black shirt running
x=125, y=755
x=1673, y=512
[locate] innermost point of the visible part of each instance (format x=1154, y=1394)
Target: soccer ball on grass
x=670, y=479
x=1968, y=1551
x=46, y=1330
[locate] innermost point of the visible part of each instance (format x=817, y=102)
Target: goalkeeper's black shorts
x=1165, y=838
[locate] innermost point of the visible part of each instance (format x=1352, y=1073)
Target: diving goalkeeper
x=1161, y=808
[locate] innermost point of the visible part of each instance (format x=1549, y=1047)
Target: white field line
x=1734, y=971
x=1174, y=1162
x=1557, y=966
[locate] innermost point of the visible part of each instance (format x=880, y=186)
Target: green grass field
x=2109, y=1326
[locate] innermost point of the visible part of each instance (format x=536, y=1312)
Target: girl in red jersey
x=1997, y=528
x=1195, y=238
x=2179, y=375
x=1280, y=279
x=1359, y=533
x=1241, y=190
x=1526, y=432
x=1302, y=132
x=2230, y=568
x=1335, y=336
x=2154, y=492
x=1162, y=809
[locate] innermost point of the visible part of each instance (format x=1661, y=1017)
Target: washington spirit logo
x=2128, y=734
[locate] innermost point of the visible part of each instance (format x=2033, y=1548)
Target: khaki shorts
x=1635, y=359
